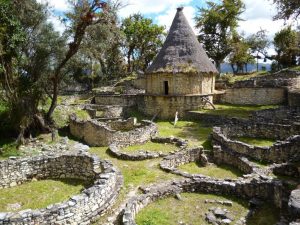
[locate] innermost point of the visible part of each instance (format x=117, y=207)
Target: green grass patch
x=82, y=114
x=261, y=142
x=8, y=147
x=195, y=132
x=220, y=171
x=191, y=210
x=240, y=111
x=136, y=172
x=151, y=147
x=40, y=194
x=231, y=78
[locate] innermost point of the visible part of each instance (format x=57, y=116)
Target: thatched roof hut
x=181, y=52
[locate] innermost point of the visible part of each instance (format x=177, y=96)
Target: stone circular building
x=181, y=77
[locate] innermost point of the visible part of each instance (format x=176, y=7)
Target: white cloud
x=166, y=18
x=150, y=6
x=259, y=15
x=59, y=5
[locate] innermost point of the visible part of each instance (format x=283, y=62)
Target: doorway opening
x=166, y=87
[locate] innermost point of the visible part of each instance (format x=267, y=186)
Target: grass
x=8, y=148
x=151, y=147
x=240, y=111
x=261, y=142
x=40, y=194
x=220, y=171
x=231, y=78
x=136, y=172
x=191, y=210
x=195, y=132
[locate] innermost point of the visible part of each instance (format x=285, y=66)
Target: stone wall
x=265, y=90
x=121, y=100
x=286, y=169
x=180, y=84
x=267, y=190
x=97, y=133
x=281, y=151
x=254, y=96
x=105, y=111
x=165, y=107
x=80, y=209
x=294, y=97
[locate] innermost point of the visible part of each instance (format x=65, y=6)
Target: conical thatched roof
x=181, y=51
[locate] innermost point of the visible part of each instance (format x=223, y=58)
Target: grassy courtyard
x=261, y=142
x=240, y=111
x=220, y=171
x=151, y=147
x=190, y=210
x=39, y=194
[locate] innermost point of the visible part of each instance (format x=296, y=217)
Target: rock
x=178, y=197
x=294, y=203
x=228, y=203
x=210, y=217
x=229, y=216
x=226, y=221
x=220, y=213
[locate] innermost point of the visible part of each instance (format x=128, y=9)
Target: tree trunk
x=54, y=100
x=257, y=63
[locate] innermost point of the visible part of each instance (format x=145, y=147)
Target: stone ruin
x=84, y=208
x=120, y=132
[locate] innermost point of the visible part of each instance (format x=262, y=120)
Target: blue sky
x=258, y=13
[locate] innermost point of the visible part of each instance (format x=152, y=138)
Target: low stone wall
x=234, y=159
x=267, y=190
x=165, y=107
x=281, y=151
x=254, y=96
x=142, y=154
x=281, y=115
x=113, y=111
x=112, y=99
x=294, y=97
x=286, y=169
x=79, y=209
x=96, y=133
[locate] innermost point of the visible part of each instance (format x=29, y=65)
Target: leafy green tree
x=28, y=45
x=217, y=24
x=286, y=44
x=258, y=44
x=143, y=39
x=287, y=9
x=240, y=55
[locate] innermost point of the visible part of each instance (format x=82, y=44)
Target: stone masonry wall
x=80, y=209
x=95, y=133
x=282, y=151
x=180, y=84
x=254, y=96
x=166, y=106
x=254, y=188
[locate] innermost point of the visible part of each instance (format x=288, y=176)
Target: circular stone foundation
x=79, y=209
x=120, y=132
x=284, y=150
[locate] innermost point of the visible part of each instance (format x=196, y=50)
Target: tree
x=28, y=45
x=217, y=24
x=240, y=55
x=143, y=39
x=258, y=44
x=84, y=13
x=287, y=9
x=286, y=44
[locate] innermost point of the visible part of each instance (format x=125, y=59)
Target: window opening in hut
x=166, y=87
